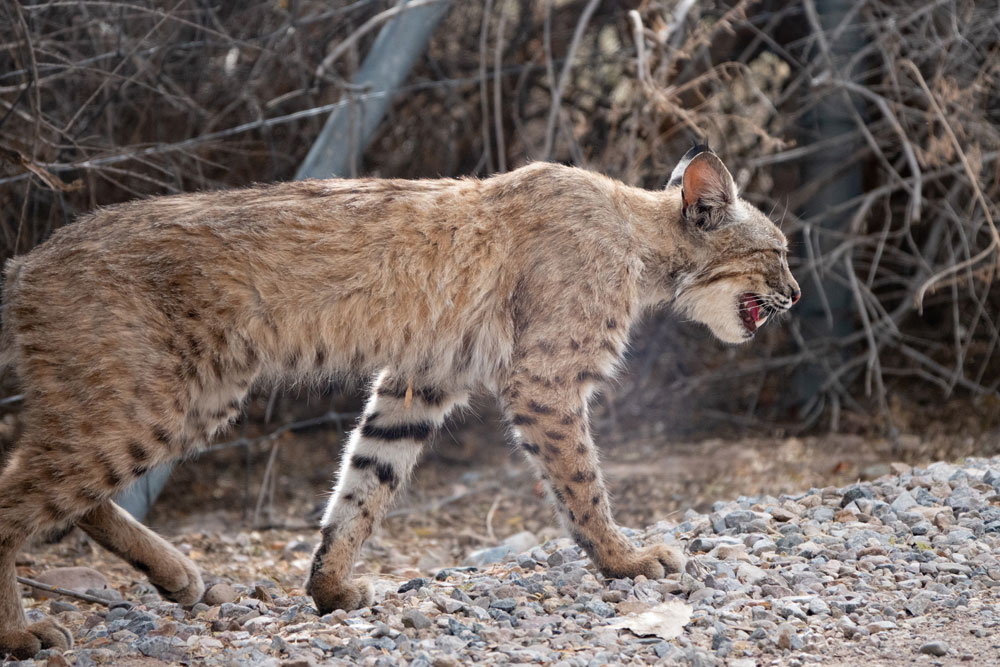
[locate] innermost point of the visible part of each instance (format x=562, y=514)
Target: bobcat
x=138, y=331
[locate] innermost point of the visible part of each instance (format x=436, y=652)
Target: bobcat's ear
x=677, y=175
x=707, y=187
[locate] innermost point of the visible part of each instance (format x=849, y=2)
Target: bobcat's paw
x=653, y=562
x=25, y=643
x=330, y=594
x=51, y=634
x=178, y=580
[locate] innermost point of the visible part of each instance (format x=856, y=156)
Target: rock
x=383, y=643
x=855, y=492
x=230, y=610
x=413, y=585
x=761, y=546
x=139, y=622
x=258, y=623
x=817, y=606
x=701, y=545
x=220, y=594
x=750, y=574
x=444, y=573
x=456, y=628
x=161, y=648
x=527, y=562
x=881, y=626
x=847, y=627
x=563, y=556
x=58, y=606
x=417, y=620
x=521, y=542
x=484, y=557
x=965, y=499
x=917, y=605
x=936, y=648
x=600, y=608
x=739, y=518
x=76, y=579
x=109, y=594
x=903, y=502
x=808, y=549
x=781, y=514
x=505, y=604
x=823, y=514
x=925, y=499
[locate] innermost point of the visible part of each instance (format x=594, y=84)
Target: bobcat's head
x=738, y=258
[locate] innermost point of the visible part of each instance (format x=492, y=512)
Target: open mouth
x=753, y=313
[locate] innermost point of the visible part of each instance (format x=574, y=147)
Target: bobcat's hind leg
x=26, y=507
x=173, y=574
x=380, y=454
x=17, y=638
x=52, y=481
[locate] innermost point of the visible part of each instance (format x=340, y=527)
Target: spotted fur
x=138, y=331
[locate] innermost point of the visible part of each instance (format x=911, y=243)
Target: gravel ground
x=897, y=570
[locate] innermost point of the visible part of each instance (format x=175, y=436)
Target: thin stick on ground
x=70, y=594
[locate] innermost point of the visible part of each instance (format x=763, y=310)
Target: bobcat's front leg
x=399, y=418
x=548, y=412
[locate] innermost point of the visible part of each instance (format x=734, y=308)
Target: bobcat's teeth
x=750, y=311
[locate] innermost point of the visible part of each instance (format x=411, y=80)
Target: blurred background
x=868, y=129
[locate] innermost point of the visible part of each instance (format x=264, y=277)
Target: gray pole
x=830, y=117
x=348, y=130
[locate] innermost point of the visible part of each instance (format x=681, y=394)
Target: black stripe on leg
x=415, y=431
x=432, y=397
x=385, y=472
x=321, y=551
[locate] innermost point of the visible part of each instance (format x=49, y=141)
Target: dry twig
x=71, y=594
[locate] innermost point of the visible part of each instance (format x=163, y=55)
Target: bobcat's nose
x=796, y=295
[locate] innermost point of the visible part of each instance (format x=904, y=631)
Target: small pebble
x=936, y=648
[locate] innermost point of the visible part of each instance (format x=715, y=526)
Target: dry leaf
x=665, y=620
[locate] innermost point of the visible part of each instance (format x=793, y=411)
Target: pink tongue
x=754, y=308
